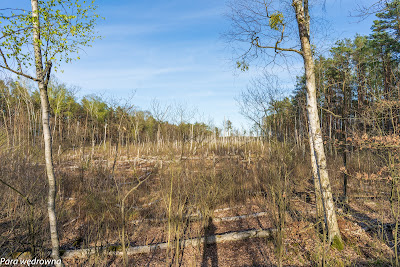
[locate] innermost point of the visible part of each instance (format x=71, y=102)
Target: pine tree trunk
x=303, y=22
x=44, y=100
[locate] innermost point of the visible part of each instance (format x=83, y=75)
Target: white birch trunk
x=303, y=21
x=44, y=100
x=317, y=185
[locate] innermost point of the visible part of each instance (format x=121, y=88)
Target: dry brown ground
x=364, y=224
x=359, y=224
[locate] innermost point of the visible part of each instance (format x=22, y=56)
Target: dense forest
x=154, y=187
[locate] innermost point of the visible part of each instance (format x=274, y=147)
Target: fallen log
x=197, y=217
x=240, y=217
x=192, y=242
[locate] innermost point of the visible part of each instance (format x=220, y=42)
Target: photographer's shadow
x=210, y=251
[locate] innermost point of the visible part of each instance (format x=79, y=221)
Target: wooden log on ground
x=192, y=242
x=197, y=217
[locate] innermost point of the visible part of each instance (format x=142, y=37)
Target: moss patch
x=338, y=243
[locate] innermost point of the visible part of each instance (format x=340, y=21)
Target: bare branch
x=256, y=43
x=17, y=191
x=364, y=11
x=20, y=73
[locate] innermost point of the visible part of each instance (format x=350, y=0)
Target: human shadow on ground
x=210, y=251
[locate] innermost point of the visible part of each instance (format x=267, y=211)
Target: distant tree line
x=89, y=121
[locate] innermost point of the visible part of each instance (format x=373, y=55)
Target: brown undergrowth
x=182, y=197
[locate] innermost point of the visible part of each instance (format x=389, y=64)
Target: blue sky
x=172, y=51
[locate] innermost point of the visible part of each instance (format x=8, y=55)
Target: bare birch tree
x=270, y=26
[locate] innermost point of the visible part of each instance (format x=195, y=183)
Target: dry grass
x=180, y=197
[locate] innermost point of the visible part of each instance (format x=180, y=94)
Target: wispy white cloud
x=200, y=14
x=124, y=29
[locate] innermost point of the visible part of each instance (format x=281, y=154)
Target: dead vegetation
x=225, y=187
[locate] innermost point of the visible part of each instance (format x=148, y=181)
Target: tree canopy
x=65, y=28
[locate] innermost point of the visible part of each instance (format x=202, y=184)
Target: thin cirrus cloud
x=123, y=30
x=103, y=78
